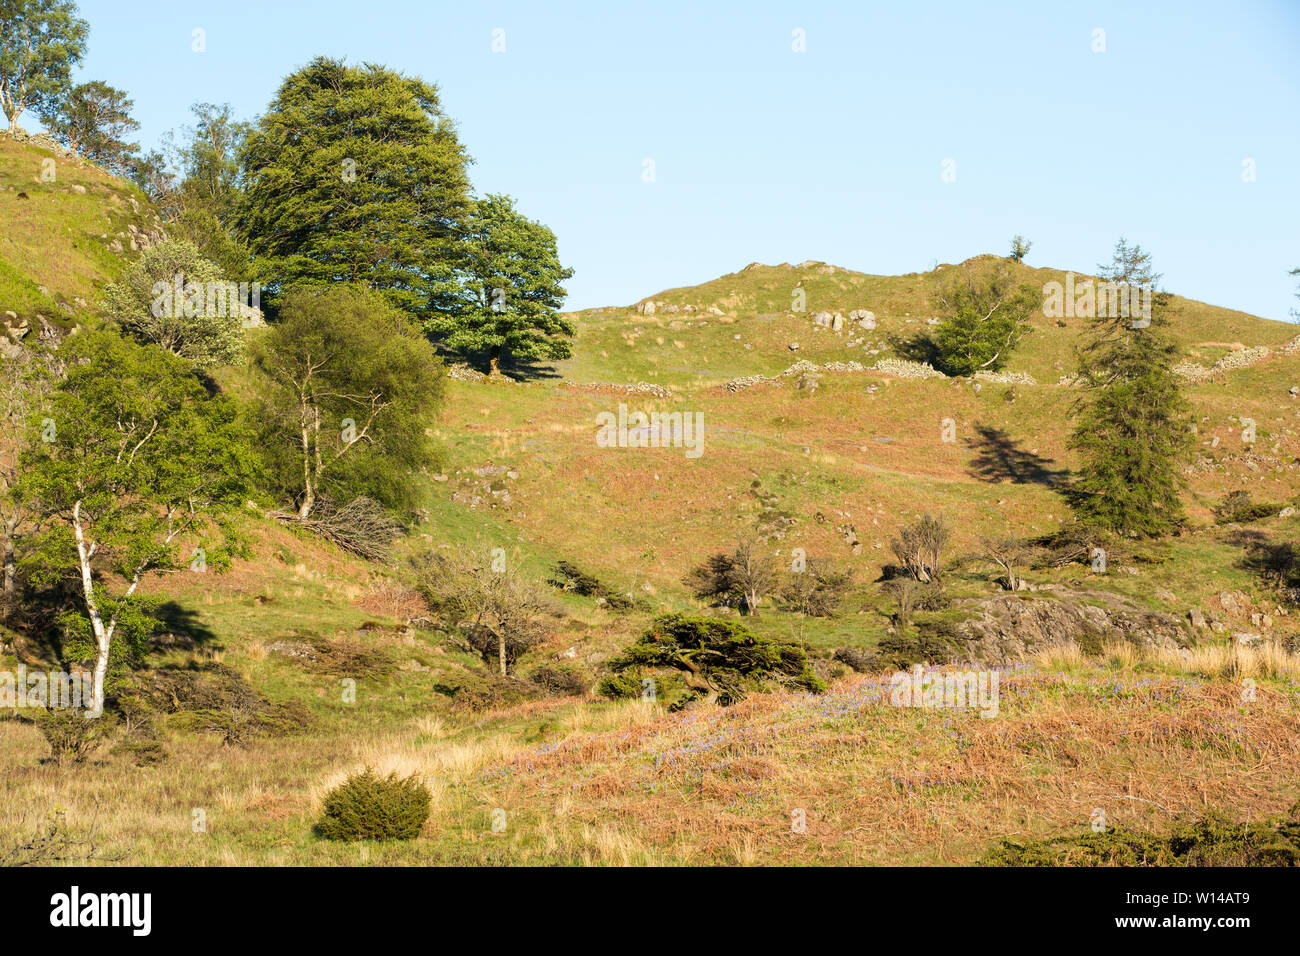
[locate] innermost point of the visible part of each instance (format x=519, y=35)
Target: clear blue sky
x=765, y=154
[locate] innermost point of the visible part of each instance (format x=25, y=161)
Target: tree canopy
x=163, y=297
x=513, y=288
x=354, y=175
x=983, y=320
x=40, y=42
x=93, y=120
x=351, y=387
x=134, y=454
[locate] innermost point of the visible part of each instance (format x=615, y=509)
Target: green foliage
x=619, y=686
x=40, y=42
x=175, y=298
x=719, y=659
x=1134, y=432
x=73, y=737
x=513, y=288
x=134, y=454
x=195, y=185
x=92, y=120
x=1019, y=248
x=931, y=644
x=355, y=175
x=984, y=317
x=1239, y=508
x=572, y=578
x=1209, y=841
x=351, y=389
x=370, y=807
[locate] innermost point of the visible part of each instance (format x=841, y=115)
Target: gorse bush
x=369, y=807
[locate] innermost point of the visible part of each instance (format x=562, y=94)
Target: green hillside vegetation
x=64, y=238
x=407, y=574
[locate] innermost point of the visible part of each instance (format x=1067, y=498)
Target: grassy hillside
x=757, y=326
x=243, y=714
x=68, y=225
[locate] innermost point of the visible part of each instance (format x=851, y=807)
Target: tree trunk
x=10, y=585
x=494, y=363
x=103, y=634
x=697, y=682
x=308, y=492
x=308, y=502
x=501, y=650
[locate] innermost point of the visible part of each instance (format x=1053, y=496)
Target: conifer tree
x=1133, y=430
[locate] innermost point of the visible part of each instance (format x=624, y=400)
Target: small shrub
x=569, y=577
x=481, y=690
x=72, y=735
x=900, y=651
x=619, y=687
x=1238, y=508
x=369, y=807
x=563, y=680
x=857, y=659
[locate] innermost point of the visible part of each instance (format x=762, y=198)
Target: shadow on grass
x=999, y=458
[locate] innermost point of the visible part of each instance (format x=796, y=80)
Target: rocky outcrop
x=1010, y=628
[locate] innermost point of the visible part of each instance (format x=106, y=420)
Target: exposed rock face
x=1009, y=628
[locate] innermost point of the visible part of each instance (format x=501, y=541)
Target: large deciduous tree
x=353, y=386
x=1133, y=430
x=355, y=175
x=93, y=120
x=40, y=42
x=512, y=280
x=134, y=455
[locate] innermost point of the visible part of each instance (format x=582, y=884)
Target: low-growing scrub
x=1208, y=841
x=719, y=660
x=370, y=807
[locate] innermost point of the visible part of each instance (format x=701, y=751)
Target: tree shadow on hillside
x=181, y=628
x=916, y=348
x=998, y=458
x=520, y=369
x=1276, y=563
